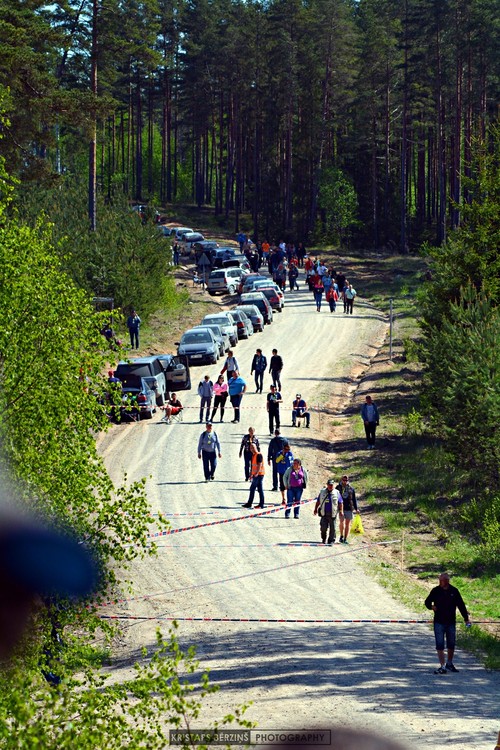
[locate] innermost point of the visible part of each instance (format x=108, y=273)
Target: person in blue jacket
x=237, y=387
x=283, y=462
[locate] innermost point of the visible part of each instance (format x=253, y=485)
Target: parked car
x=222, y=338
x=220, y=254
x=270, y=283
x=179, y=232
x=226, y=322
x=138, y=399
x=205, y=247
x=255, y=315
x=272, y=295
x=238, y=261
x=151, y=369
x=243, y=323
x=249, y=281
x=259, y=299
x=224, y=280
x=199, y=346
x=188, y=241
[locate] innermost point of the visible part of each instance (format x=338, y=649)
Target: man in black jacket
x=275, y=368
x=276, y=445
x=444, y=601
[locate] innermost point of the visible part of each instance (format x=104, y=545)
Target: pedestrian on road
x=295, y=481
x=208, y=450
x=299, y=410
x=349, y=295
x=259, y=366
x=237, y=387
x=369, y=415
x=205, y=392
x=293, y=274
x=349, y=507
x=221, y=393
x=444, y=600
x=133, y=325
x=332, y=298
x=275, y=368
x=328, y=506
x=274, y=449
x=248, y=443
x=283, y=461
x=230, y=365
x=257, y=475
x=273, y=408
x=176, y=254
x=318, y=291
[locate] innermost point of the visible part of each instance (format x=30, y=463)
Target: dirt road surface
x=367, y=675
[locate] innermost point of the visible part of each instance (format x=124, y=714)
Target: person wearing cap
x=274, y=449
x=208, y=449
x=273, y=408
x=299, y=410
x=349, y=507
x=133, y=324
x=328, y=506
x=295, y=481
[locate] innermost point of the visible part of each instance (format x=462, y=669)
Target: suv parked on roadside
x=224, y=280
x=162, y=372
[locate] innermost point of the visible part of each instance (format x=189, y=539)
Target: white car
x=227, y=323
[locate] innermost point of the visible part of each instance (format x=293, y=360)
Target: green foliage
x=470, y=257
x=86, y=712
x=483, y=514
x=51, y=393
x=462, y=386
x=338, y=202
x=123, y=259
x=413, y=423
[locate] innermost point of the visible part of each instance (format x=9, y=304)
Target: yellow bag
x=357, y=525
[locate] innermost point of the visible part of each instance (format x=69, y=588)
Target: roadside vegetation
x=434, y=478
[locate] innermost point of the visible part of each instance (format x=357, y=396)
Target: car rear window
x=219, y=321
x=217, y=274
x=200, y=337
x=138, y=371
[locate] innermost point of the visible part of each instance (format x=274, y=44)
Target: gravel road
x=372, y=676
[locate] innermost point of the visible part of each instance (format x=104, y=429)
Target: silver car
x=224, y=280
x=226, y=322
x=244, y=324
x=220, y=335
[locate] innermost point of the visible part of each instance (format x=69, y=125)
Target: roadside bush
x=462, y=386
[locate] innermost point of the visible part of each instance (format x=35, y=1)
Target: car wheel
x=160, y=400
x=215, y=359
x=230, y=290
x=212, y=294
x=146, y=414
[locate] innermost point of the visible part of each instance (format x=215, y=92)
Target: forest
x=349, y=121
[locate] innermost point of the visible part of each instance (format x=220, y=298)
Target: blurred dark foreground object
x=37, y=562
x=338, y=739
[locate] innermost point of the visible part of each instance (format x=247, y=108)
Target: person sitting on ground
x=299, y=411
x=171, y=408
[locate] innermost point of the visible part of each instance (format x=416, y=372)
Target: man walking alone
x=444, y=600
x=208, y=449
x=328, y=506
x=259, y=366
